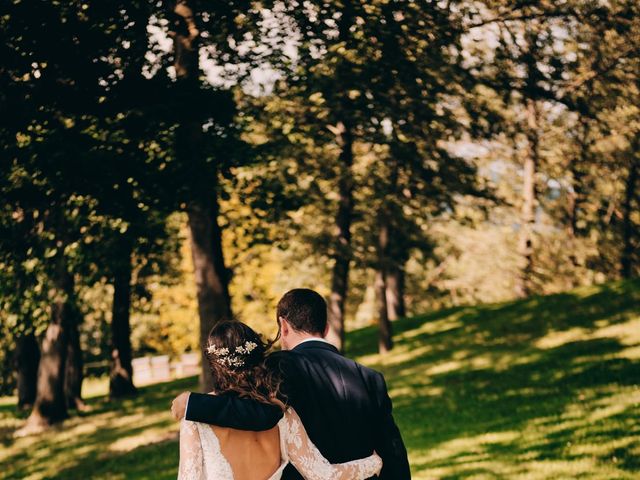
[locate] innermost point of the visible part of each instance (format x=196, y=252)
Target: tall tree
x=525, y=69
x=531, y=161
x=342, y=243
x=56, y=133
x=74, y=365
x=200, y=168
x=344, y=130
x=385, y=340
x=422, y=98
x=324, y=77
x=121, y=375
x=51, y=400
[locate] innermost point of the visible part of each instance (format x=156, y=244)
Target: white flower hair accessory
x=232, y=359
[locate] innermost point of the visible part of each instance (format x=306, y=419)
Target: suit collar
x=315, y=344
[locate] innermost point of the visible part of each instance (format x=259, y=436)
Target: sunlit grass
x=546, y=388
x=95, y=387
x=133, y=438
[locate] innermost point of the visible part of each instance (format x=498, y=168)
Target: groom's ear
x=284, y=326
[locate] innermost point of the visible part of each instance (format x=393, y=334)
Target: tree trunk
x=121, y=376
x=385, y=341
x=211, y=278
x=577, y=166
x=206, y=236
x=576, y=196
x=342, y=247
x=50, y=405
x=74, y=374
x=26, y=362
x=343, y=111
x=395, y=290
x=628, y=231
x=396, y=250
x=121, y=371
x=525, y=247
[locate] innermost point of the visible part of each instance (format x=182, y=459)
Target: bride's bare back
x=214, y=453
x=251, y=455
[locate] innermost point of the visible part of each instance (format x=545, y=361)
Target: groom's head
x=301, y=313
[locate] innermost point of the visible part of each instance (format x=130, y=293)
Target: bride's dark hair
x=238, y=357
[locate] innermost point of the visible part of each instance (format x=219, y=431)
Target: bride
x=237, y=357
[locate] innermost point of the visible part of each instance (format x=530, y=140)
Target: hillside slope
x=545, y=388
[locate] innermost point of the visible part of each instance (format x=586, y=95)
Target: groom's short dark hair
x=304, y=309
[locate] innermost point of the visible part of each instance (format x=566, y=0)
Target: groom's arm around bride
x=344, y=406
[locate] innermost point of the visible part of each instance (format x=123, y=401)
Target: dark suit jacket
x=344, y=407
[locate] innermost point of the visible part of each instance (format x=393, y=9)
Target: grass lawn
x=545, y=388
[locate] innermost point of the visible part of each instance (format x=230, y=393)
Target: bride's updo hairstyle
x=237, y=357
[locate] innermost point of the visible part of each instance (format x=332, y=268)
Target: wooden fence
x=148, y=370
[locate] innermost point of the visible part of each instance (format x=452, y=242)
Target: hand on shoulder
x=179, y=406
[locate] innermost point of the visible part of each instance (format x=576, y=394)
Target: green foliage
x=164, y=321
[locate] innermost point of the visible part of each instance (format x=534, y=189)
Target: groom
x=343, y=405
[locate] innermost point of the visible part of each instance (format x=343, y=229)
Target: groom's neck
x=299, y=337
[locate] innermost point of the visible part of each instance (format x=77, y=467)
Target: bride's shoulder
x=290, y=419
x=287, y=414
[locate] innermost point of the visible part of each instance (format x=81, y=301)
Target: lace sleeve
x=191, y=461
x=308, y=460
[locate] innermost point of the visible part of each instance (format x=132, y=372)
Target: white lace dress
x=201, y=457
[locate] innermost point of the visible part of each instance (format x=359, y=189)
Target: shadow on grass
x=83, y=447
x=154, y=461
x=461, y=375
